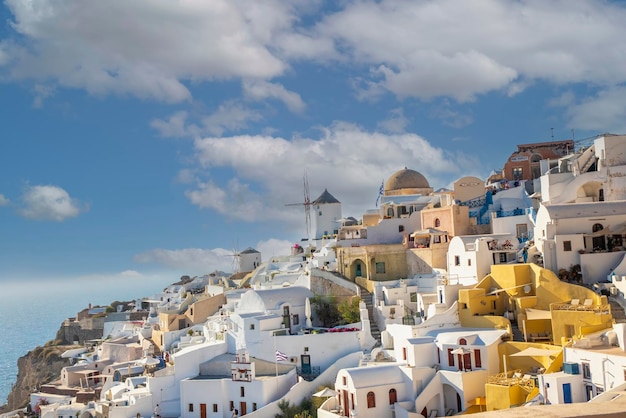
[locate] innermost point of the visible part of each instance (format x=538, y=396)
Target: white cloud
x=156, y=48
x=261, y=90
x=202, y=261
x=42, y=92
x=145, y=47
x=395, y=123
x=230, y=116
x=450, y=117
x=50, y=203
x=3, y=200
x=601, y=113
x=175, y=126
x=131, y=274
x=463, y=49
x=267, y=166
x=273, y=248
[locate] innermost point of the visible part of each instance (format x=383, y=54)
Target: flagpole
x=275, y=359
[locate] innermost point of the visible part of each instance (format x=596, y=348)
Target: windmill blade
x=307, y=207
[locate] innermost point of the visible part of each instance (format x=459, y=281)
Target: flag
x=281, y=356
x=380, y=191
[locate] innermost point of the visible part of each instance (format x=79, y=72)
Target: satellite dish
x=527, y=289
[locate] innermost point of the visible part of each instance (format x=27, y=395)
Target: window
x=502, y=257
x=518, y=173
x=254, y=406
x=251, y=326
x=371, y=400
x=596, y=227
x=400, y=228
x=437, y=222
x=469, y=261
x=295, y=319
x=462, y=341
x=190, y=408
x=214, y=407
x=450, y=357
x=436, y=239
x=567, y=245
x=242, y=391
x=586, y=371
x=477, y=358
x=232, y=405
x=344, y=380
x=380, y=267
x=457, y=260
x=393, y=396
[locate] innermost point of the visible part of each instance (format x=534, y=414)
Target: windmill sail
x=307, y=206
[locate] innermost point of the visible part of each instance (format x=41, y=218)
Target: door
x=242, y=409
x=567, y=392
x=202, y=410
x=305, y=360
x=286, y=317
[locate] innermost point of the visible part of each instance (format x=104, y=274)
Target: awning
x=537, y=314
x=427, y=232
x=536, y=352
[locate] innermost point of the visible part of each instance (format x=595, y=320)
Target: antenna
x=307, y=206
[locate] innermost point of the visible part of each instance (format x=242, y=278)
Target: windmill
x=307, y=206
x=236, y=255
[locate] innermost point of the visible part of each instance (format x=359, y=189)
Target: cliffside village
x=498, y=294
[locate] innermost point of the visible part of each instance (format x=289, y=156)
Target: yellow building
x=372, y=263
x=194, y=310
x=545, y=308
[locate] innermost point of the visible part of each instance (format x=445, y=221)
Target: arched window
x=535, y=158
x=371, y=400
x=437, y=223
x=393, y=396
x=597, y=227
x=462, y=341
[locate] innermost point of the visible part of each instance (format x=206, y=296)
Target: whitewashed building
x=470, y=257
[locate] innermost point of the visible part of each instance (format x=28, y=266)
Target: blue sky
x=151, y=138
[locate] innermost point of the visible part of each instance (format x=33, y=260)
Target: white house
x=470, y=257
x=601, y=361
x=580, y=233
x=230, y=382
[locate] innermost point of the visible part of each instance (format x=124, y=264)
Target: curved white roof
x=270, y=299
x=577, y=210
x=373, y=376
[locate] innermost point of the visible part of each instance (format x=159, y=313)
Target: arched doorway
x=357, y=269
x=451, y=400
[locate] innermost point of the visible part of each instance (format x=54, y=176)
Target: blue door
x=567, y=393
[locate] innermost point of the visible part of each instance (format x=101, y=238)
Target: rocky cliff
x=39, y=366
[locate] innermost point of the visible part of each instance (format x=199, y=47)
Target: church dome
x=406, y=179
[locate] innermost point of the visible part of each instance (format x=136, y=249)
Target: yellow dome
x=406, y=179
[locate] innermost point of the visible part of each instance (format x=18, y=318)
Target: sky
x=147, y=139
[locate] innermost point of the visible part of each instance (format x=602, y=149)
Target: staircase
x=367, y=297
x=617, y=311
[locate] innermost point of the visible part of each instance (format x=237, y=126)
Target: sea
x=33, y=311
